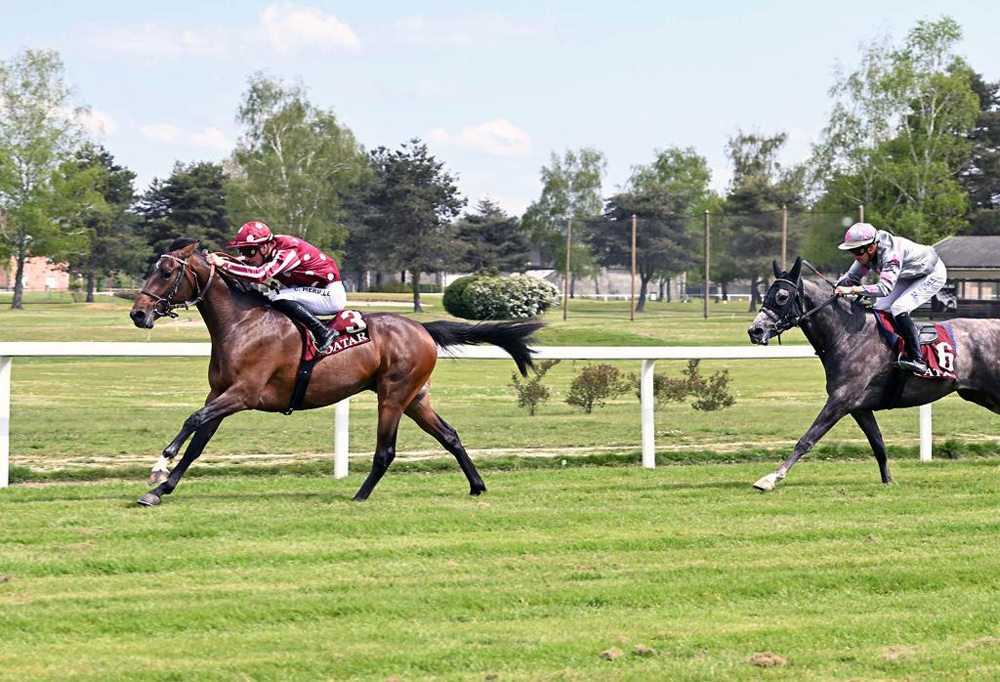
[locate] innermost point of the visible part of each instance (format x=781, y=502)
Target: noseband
x=167, y=302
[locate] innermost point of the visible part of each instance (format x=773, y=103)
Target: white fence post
x=926, y=435
x=648, y=401
x=5, y=364
x=341, y=439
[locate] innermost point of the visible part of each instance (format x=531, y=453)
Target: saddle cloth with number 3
x=939, y=353
x=352, y=330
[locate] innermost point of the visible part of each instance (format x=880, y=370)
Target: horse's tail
x=513, y=336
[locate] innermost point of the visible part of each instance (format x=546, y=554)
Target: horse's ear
x=777, y=272
x=796, y=269
x=186, y=251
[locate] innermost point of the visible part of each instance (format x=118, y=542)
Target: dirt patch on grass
x=975, y=644
x=767, y=659
x=896, y=653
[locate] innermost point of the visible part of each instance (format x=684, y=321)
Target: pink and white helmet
x=858, y=235
x=252, y=234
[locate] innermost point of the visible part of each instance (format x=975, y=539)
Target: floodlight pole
x=708, y=258
x=861, y=212
x=784, y=237
x=569, y=241
x=631, y=311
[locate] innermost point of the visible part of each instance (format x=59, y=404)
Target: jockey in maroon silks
x=309, y=279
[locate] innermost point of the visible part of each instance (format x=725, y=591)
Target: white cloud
x=466, y=29
x=209, y=137
x=154, y=39
x=498, y=137
x=96, y=122
x=283, y=28
x=212, y=138
x=290, y=27
x=162, y=132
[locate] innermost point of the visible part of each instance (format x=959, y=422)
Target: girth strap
x=301, y=384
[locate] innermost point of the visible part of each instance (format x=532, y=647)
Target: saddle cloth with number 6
x=352, y=330
x=938, y=349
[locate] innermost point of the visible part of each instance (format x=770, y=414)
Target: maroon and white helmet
x=858, y=235
x=252, y=234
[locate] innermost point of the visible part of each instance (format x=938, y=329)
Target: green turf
x=71, y=416
x=284, y=578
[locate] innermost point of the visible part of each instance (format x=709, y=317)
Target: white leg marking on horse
x=161, y=465
x=768, y=482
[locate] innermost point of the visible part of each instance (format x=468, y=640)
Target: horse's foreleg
x=161, y=469
x=385, y=450
x=194, y=450
x=430, y=421
x=832, y=412
x=203, y=423
x=866, y=420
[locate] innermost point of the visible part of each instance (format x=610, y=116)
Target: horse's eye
x=781, y=298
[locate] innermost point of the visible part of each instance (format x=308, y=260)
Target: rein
x=168, y=302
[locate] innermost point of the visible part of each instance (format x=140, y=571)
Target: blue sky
x=493, y=88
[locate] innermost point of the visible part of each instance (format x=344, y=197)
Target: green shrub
x=454, y=297
x=710, y=394
x=597, y=383
x=480, y=297
x=530, y=392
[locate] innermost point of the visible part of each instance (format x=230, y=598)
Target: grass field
x=239, y=578
x=682, y=569
x=99, y=416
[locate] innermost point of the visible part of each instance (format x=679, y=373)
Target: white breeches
x=329, y=300
x=910, y=294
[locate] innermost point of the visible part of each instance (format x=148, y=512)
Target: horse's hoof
x=476, y=492
x=767, y=483
x=157, y=477
x=149, y=500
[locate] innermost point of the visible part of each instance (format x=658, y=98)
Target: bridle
x=167, y=302
x=784, y=322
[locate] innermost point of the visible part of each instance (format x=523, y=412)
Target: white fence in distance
x=648, y=355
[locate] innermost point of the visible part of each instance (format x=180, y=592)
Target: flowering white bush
x=501, y=298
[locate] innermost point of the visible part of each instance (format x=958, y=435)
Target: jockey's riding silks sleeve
x=896, y=258
x=294, y=263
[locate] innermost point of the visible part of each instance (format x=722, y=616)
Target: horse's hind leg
x=866, y=420
x=430, y=421
x=385, y=450
x=988, y=399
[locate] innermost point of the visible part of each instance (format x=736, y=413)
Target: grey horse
x=860, y=376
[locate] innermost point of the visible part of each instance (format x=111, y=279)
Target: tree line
x=913, y=135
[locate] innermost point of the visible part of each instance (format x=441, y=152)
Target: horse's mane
x=240, y=287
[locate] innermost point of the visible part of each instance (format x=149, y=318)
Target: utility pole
x=784, y=237
x=569, y=242
x=631, y=312
x=708, y=258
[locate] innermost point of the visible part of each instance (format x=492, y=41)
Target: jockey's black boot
x=907, y=328
x=322, y=335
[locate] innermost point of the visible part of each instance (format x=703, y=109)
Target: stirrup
x=918, y=368
x=328, y=346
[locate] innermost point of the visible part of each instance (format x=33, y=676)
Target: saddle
x=937, y=345
x=352, y=330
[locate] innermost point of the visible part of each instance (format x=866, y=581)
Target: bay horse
x=858, y=363
x=255, y=359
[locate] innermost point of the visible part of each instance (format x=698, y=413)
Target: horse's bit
x=168, y=303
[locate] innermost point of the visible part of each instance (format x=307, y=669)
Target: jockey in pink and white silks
x=909, y=275
x=309, y=279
